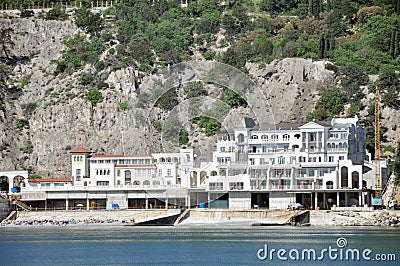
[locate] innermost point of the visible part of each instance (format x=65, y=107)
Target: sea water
x=198, y=244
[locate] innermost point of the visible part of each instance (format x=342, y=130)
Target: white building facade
x=317, y=164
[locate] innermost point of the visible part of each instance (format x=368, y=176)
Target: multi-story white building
x=317, y=164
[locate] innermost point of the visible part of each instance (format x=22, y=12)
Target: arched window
x=274, y=137
x=156, y=182
x=286, y=137
x=136, y=183
x=254, y=137
x=264, y=137
x=329, y=184
x=213, y=173
x=146, y=183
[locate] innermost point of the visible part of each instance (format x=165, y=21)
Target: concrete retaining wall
x=138, y=215
x=218, y=215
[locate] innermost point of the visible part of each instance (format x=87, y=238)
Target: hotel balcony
x=51, y=187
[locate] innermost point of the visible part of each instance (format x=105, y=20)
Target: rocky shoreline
x=318, y=218
x=377, y=218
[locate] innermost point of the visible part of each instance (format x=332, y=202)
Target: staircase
x=22, y=205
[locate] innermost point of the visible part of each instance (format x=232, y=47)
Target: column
x=66, y=204
x=87, y=204
x=337, y=199
x=166, y=203
x=315, y=200
x=324, y=200
x=307, y=140
x=360, y=203
x=147, y=203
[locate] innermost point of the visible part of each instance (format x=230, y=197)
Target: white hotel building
x=317, y=164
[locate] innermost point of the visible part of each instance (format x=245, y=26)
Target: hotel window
x=274, y=137
x=102, y=183
x=286, y=184
x=159, y=172
x=262, y=161
x=216, y=186
x=235, y=185
x=169, y=172
x=222, y=149
x=252, y=161
x=241, y=138
x=286, y=137
x=241, y=149
x=264, y=137
x=118, y=172
x=313, y=136
x=281, y=160
x=78, y=172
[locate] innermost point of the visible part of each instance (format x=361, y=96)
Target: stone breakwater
x=377, y=218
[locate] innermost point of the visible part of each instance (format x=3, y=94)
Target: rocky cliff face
x=44, y=116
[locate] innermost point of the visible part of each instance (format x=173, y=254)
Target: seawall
x=81, y=215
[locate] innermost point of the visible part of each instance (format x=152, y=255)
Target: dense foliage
x=359, y=37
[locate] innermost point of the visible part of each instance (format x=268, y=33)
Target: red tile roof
x=50, y=180
x=80, y=150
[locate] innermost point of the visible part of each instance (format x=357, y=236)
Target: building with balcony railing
x=317, y=164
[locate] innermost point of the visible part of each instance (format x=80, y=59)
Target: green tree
x=139, y=49
x=353, y=76
x=90, y=22
x=57, y=13
x=210, y=125
x=194, y=89
x=389, y=85
x=233, y=99
x=329, y=105
x=94, y=97
x=183, y=137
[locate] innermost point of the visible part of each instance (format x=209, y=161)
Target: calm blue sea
x=211, y=244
